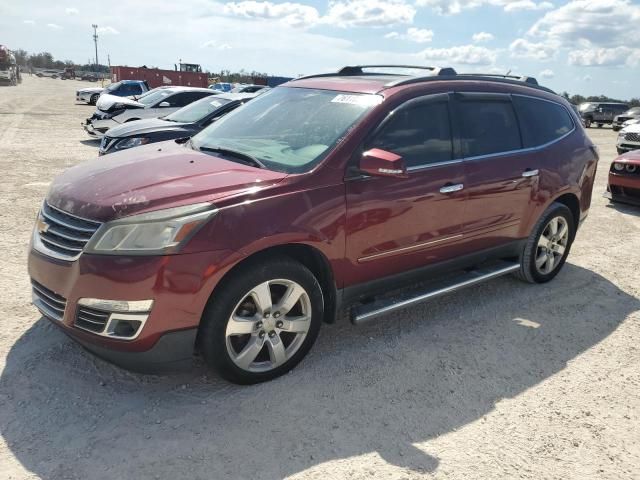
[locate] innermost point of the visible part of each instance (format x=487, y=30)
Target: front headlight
x=160, y=232
x=131, y=142
x=618, y=167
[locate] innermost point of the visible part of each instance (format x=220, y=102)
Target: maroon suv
x=365, y=189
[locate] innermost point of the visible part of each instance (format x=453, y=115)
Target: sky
x=589, y=47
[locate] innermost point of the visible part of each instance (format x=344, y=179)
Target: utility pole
x=95, y=41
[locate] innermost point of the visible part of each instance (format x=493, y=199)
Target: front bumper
x=97, y=128
x=179, y=285
x=623, y=188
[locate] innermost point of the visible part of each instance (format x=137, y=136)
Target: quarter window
x=541, y=122
x=420, y=133
x=488, y=127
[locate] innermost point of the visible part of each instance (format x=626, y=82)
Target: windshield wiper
x=248, y=159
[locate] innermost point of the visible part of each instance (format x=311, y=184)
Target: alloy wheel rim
x=552, y=245
x=268, y=325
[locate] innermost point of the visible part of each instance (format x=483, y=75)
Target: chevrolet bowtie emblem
x=42, y=226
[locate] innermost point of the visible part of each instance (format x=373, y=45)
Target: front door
x=398, y=224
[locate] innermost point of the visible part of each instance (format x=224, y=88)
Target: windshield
x=197, y=110
x=585, y=106
x=113, y=86
x=288, y=129
x=154, y=97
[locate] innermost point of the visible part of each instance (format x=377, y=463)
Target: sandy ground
x=506, y=380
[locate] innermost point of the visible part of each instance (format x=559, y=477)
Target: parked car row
x=112, y=110
x=328, y=192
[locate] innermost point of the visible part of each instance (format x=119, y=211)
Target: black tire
x=94, y=99
x=600, y=125
x=225, y=300
x=587, y=122
x=620, y=151
x=616, y=129
x=528, y=270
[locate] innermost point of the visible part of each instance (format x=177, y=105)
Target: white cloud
x=587, y=78
x=369, y=13
x=605, y=57
x=341, y=13
x=482, y=37
x=597, y=32
x=71, y=11
x=446, y=7
x=417, y=35
x=293, y=14
x=522, y=48
x=599, y=22
x=217, y=45
x=547, y=74
x=54, y=26
x=29, y=22
x=461, y=55
x=108, y=30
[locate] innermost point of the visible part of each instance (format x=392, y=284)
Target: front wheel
x=262, y=321
x=548, y=245
x=587, y=123
x=94, y=99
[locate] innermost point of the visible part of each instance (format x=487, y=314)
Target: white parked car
x=629, y=137
x=112, y=111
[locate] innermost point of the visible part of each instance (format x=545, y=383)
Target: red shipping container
x=158, y=78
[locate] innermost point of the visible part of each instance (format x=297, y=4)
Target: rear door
x=398, y=224
x=500, y=177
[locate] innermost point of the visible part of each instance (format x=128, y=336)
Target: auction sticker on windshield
x=363, y=100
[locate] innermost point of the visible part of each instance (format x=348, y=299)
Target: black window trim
x=487, y=96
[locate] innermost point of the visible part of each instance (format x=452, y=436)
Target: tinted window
x=540, y=121
x=185, y=98
x=420, y=133
x=487, y=127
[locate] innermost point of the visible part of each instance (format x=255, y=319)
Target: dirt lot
x=506, y=380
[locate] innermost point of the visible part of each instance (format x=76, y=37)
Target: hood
x=107, y=101
x=152, y=177
x=145, y=126
x=633, y=128
x=632, y=157
x=91, y=90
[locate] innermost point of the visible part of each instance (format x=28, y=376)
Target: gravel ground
x=506, y=380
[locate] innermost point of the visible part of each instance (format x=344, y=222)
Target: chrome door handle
x=452, y=188
x=530, y=173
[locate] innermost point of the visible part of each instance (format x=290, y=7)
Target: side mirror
x=381, y=163
x=164, y=104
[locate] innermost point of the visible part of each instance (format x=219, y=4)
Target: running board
x=364, y=313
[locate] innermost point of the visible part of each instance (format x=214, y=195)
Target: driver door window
x=420, y=133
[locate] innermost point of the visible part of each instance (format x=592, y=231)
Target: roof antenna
x=508, y=72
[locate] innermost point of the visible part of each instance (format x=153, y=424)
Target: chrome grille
x=50, y=304
x=64, y=234
x=91, y=319
x=632, y=137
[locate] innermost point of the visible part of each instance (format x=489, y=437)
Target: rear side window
x=488, y=127
x=185, y=98
x=420, y=133
x=541, y=122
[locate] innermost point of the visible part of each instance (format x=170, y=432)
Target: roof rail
x=525, y=79
x=355, y=70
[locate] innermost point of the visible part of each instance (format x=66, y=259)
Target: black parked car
x=630, y=114
x=600, y=113
x=182, y=123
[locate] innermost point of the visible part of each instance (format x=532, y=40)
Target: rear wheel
x=548, y=245
x=94, y=99
x=262, y=321
x=587, y=122
x=600, y=125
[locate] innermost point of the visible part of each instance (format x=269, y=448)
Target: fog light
x=125, y=328
x=120, y=319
